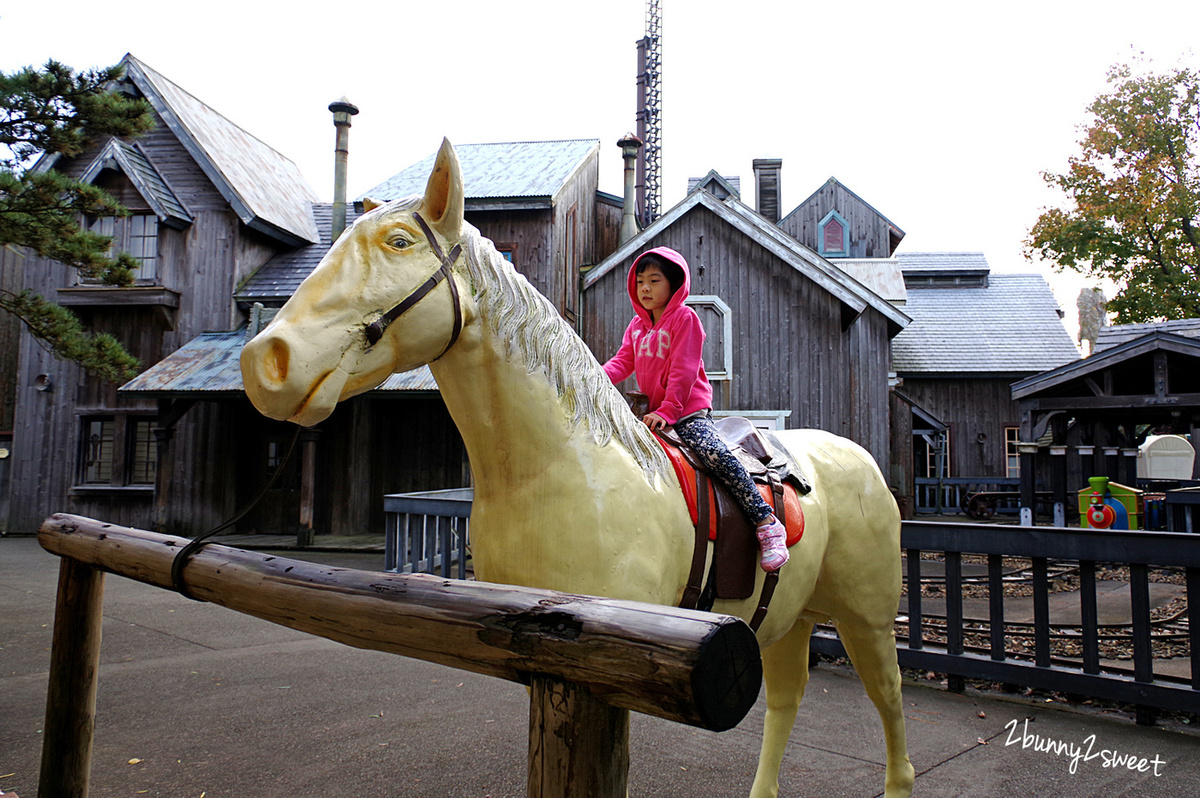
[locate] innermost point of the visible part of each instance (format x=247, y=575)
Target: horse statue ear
x=370, y=204
x=443, y=203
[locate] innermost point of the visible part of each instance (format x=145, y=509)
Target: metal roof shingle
x=521, y=169
x=209, y=366
x=262, y=184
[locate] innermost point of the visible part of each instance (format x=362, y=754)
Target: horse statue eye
x=399, y=242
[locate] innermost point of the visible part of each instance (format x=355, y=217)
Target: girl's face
x=653, y=290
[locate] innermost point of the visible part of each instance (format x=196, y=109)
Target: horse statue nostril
x=275, y=360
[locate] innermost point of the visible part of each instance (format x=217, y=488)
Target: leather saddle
x=719, y=518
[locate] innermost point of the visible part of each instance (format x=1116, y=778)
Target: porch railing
x=949, y=495
x=428, y=532
x=941, y=637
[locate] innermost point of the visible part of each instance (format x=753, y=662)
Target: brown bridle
x=375, y=329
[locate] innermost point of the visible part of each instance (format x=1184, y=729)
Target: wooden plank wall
x=790, y=351
x=978, y=406
x=574, y=215
x=530, y=231
x=12, y=266
x=869, y=232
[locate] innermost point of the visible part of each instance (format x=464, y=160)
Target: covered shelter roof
x=208, y=367
x=1156, y=374
x=1123, y=333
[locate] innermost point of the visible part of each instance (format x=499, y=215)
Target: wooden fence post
x=71, y=698
x=578, y=744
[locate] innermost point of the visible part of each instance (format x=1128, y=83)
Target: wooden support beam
x=578, y=745
x=685, y=666
x=71, y=696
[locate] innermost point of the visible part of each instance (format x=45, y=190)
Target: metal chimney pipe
x=629, y=145
x=342, y=110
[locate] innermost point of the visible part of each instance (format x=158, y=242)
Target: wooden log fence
x=588, y=661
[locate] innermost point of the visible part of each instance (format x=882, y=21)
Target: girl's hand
x=654, y=421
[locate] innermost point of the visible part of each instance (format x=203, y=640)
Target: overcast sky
x=942, y=115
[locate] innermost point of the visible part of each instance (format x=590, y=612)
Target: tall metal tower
x=649, y=116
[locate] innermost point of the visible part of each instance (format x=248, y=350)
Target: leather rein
x=375, y=329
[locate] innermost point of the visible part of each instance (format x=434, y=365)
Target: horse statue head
x=347, y=328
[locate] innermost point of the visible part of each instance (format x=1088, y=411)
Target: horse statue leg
x=785, y=675
x=873, y=653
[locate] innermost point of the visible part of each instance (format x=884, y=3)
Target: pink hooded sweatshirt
x=666, y=357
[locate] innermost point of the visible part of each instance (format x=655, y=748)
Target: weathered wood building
x=210, y=203
x=540, y=204
x=974, y=333
x=793, y=340
x=837, y=223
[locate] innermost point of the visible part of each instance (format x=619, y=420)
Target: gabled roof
x=277, y=279
x=845, y=288
x=264, y=188
x=897, y=233
x=132, y=162
x=504, y=174
x=1123, y=333
x=726, y=186
x=208, y=367
x=1011, y=327
x=1081, y=369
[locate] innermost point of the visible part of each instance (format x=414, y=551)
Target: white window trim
x=725, y=372
x=845, y=250
x=763, y=419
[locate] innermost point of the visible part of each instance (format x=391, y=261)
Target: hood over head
x=680, y=295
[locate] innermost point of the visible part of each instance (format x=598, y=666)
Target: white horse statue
x=572, y=493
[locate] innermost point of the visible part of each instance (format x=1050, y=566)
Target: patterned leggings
x=700, y=433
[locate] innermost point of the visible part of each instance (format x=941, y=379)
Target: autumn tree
x=1133, y=197
x=56, y=111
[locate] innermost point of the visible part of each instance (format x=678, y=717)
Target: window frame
x=725, y=313
x=125, y=231
x=1012, y=455
x=131, y=460
x=833, y=216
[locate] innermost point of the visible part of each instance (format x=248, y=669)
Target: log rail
x=588, y=661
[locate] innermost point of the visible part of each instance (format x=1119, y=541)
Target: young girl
x=663, y=346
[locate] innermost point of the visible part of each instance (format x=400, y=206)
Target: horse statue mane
x=538, y=335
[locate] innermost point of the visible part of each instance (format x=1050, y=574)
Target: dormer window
x=137, y=235
x=833, y=234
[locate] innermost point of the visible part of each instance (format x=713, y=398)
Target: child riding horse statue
x=572, y=493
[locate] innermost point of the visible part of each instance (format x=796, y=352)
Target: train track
x=1174, y=628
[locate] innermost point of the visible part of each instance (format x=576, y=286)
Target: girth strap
x=375, y=329
x=691, y=593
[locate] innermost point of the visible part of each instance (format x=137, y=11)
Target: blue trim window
x=833, y=236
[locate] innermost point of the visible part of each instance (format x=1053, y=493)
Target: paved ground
x=195, y=700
